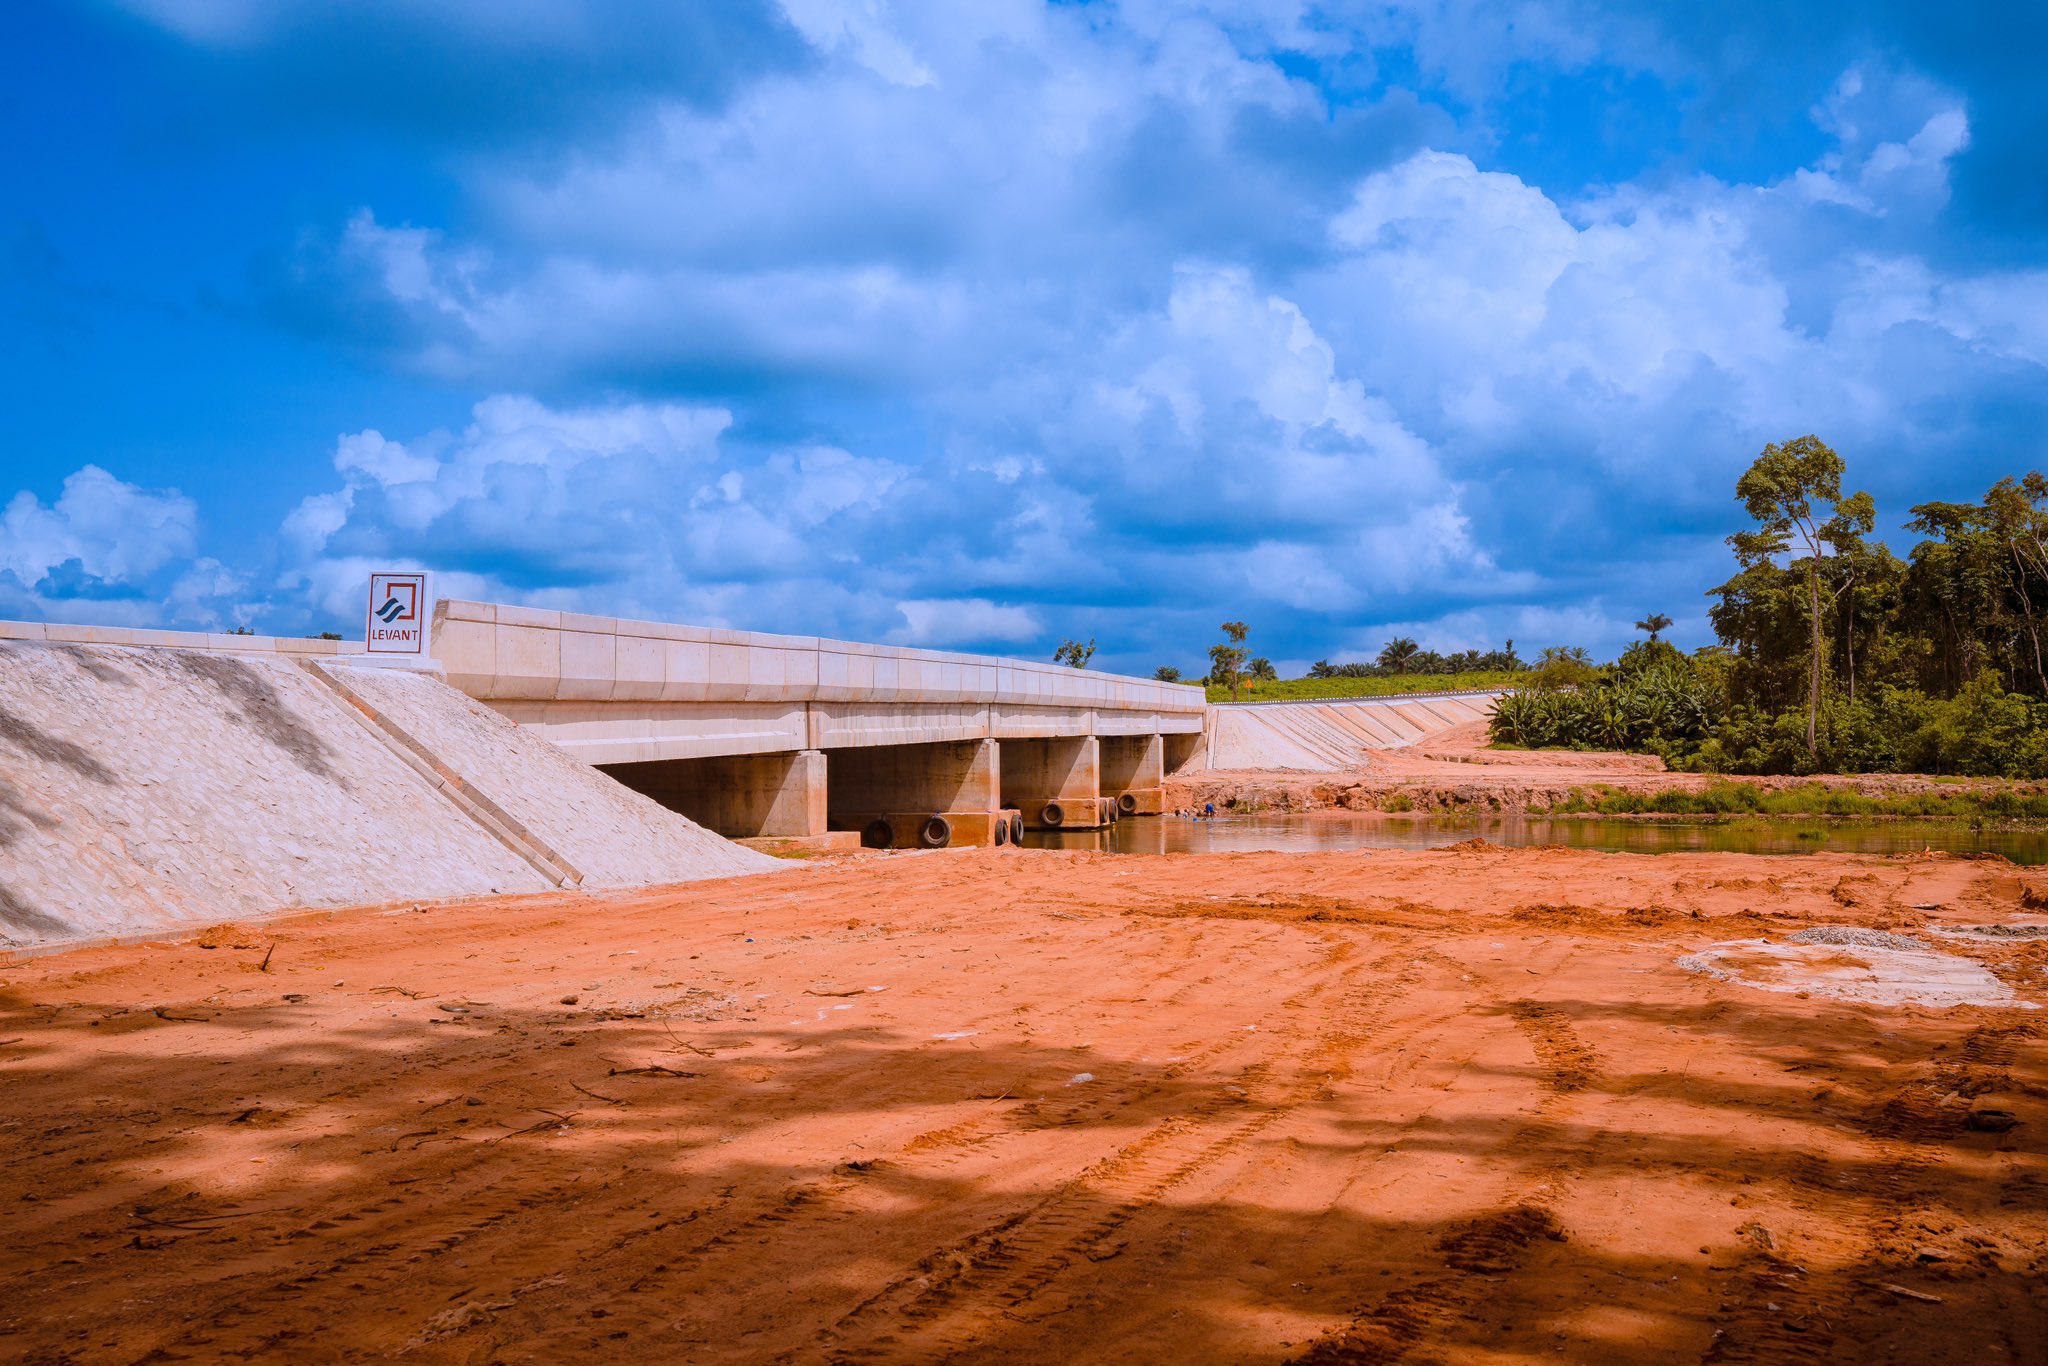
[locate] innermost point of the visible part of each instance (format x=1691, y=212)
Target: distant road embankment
x=1336, y=734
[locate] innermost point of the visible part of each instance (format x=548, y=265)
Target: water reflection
x=1173, y=835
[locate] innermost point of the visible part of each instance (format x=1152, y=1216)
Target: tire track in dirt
x=252, y=1319
x=1481, y=1253
x=644, y=1304
x=937, y=1309
x=1568, y=1064
x=1780, y=1311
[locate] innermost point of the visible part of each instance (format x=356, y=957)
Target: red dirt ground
x=1014, y=1105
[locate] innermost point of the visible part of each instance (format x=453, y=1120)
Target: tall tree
x=1398, y=653
x=1074, y=654
x=1793, y=491
x=1656, y=623
x=2017, y=513
x=1228, y=656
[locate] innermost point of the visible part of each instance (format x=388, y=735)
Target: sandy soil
x=1013, y=1105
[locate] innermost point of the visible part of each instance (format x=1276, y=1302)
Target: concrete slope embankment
x=1331, y=736
x=145, y=789
x=610, y=834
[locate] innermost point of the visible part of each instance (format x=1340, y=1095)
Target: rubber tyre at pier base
x=877, y=834
x=935, y=833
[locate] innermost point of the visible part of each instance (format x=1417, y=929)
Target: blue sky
x=983, y=325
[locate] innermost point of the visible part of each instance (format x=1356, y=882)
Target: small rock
x=1992, y=1121
x=569, y=1000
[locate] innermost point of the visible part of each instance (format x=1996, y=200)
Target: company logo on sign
x=398, y=614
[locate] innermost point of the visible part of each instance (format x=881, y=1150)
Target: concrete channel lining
x=1329, y=735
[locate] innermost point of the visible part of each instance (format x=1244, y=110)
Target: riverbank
x=1010, y=1104
x=1457, y=773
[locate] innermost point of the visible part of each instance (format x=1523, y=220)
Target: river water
x=1174, y=835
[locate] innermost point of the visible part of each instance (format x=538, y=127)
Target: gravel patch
x=1862, y=939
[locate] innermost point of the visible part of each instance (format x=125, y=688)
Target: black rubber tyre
x=1128, y=803
x=1016, y=827
x=1053, y=815
x=1002, y=831
x=935, y=833
x=877, y=834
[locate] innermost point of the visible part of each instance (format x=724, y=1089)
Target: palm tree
x=1654, y=623
x=1397, y=653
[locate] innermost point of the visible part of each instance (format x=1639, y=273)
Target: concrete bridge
x=794, y=737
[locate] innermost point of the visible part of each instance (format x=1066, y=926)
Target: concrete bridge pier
x=929, y=796
x=1056, y=783
x=1134, y=773
x=740, y=796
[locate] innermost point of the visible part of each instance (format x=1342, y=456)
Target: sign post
x=398, y=609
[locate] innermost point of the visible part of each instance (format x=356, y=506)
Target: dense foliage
x=1403, y=657
x=1836, y=655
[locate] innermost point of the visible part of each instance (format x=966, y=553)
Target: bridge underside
x=932, y=795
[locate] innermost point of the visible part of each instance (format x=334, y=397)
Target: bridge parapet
x=502, y=653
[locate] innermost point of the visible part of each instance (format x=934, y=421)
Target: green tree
x=1655, y=624
x=1227, y=657
x=2016, y=513
x=1397, y=654
x=1166, y=673
x=1793, y=491
x=1261, y=670
x=1074, y=654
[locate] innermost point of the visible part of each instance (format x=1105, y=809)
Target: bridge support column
x=919, y=796
x=1057, y=783
x=743, y=796
x=1134, y=773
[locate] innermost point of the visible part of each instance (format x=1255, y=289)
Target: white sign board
x=398, y=612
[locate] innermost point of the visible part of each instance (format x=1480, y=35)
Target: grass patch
x=1808, y=799
x=1397, y=685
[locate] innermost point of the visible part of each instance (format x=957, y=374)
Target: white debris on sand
x=1845, y=963
x=1861, y=938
